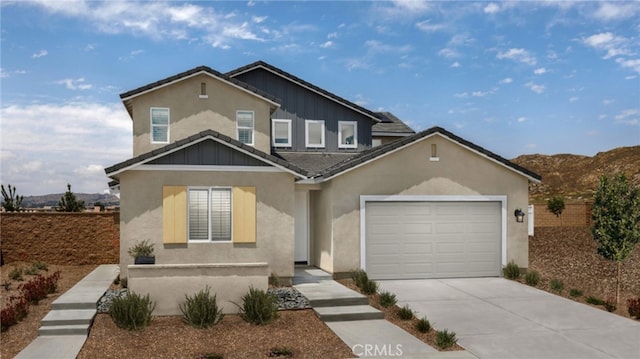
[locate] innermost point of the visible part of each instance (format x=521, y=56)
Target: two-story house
x=241, y=175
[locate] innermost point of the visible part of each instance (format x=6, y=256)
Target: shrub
x=39, y=265
x=633, y=306
x=141, y=249
x=405, y=313
x=124, y=282
x=6, y=285
x=387, y=299
x=423, y=325
x=274, y=280
x=132, y=311
x=445, y=339
x=511, y=270
x=201, y=310
x=575, y=293
x=359, y=277
x=15, y=310
x=31, y=271
x=16, y=274
x=610, y=305
x=278, y=352
x=369, y=287
x=258, y=307
x=532, y=278
x=594, y=300
x=210, y=356
x=7, y=318
x=34, y=290
x=556, y=285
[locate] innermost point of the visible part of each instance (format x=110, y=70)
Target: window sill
x=203, y=96
x=434, y=159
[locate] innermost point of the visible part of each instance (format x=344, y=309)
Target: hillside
x=52, y=199
x=576, y=177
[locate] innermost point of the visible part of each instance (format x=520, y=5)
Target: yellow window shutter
x=174, y=214
x=244, y=214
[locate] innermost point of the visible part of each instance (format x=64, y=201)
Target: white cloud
x=608, y=101
x=258, y=19
x=610, y=11
x=535, y=87
x=632, y=64
x=326, y=44
x=628, y=117
x=617, y=47
x=333, y=35
x=375, y=46
x=427, y=26
x=506, y=80
x=39, y=54
x=574, y=99
x=455, y=64
x=521, y=119
x=75, y=84
x=491, y=8
x=448, y=53
x=518, y=55
x=540, y=71
x=461, y=95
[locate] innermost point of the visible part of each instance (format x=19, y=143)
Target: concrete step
x=69, y=317
x=348, y=313
x=73, y=305
x=329, y=293
x=338, y=302
x=77, y=329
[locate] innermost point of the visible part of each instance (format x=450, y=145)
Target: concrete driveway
x=497, y=318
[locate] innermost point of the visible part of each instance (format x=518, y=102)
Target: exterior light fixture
x=519, y=215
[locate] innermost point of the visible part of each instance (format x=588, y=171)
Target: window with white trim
x=281, y=133
x=209, y=214
x=159, y=125
x=347, y=134
x=245, y=122
x=314, y=133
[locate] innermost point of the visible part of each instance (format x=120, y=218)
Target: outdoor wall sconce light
x=519, y=215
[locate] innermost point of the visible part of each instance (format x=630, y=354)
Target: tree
x=616, y=221
x=555, y=205
x=99, y=204
x=69, y=203
x=10, y=201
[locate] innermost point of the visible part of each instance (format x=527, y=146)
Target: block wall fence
x=574, y=215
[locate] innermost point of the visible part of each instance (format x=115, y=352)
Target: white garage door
x=432, y=239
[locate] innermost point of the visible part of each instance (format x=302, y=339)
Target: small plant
x=594, y=300
x=633, y=306
x=532, y=278
x=274, y=280
x=423, y=325
x=132, y=311
x=201, y=310
x=359, y=277
x=405, y=313
x=6, y=285
x=279, y=352
x=7, y=318
x=15, y=310
x=16, y=274
x=369, y=287
x=556, y=285
x=210, y=356
x=258, y=307
x=610, y=305
x=511, y=270
x=39, y=265
x=387, y=299
x=31, y=271
x=141, y=249
x=575, y=293
x=124, y=282
x=445, y=339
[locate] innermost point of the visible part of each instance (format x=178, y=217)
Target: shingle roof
x=314, y=163
x=110, y=171
x=302, y=82
x=391, y=125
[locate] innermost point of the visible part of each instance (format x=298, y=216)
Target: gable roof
x=391, y=126
x=151, y=156
x=305, y=84
x=126, y=97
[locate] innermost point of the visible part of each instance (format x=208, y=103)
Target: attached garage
x=432, y=237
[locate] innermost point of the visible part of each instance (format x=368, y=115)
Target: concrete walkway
x=362, y=327
x=496, y=318
x=64, y=330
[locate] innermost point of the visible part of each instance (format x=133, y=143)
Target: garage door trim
x=401, y=198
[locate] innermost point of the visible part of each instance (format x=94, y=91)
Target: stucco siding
x=322, y=249
x=410, y=172
x=190, y=114
x=141, y=218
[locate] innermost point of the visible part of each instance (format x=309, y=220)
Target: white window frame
x=152, y=126
x=273, y=133
x=252, y=128
x=355, y=134
x=209, y=239
x=306, y=134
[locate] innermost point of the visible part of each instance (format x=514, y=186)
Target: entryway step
x=348, y=313
x=330, y=293
x=76, y=329
x=69, y=317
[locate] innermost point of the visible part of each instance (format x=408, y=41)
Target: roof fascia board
x=207, y=168
x=308, y=88
x=392, y=134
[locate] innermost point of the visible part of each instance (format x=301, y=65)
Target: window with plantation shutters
x=210, y=214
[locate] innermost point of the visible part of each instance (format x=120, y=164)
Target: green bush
x=445, y=339
x=369, y=287
x=258, y=307
x=610, y=305
x=556, y=285
x=16, y=274
x=532, y=278
x=594, y=300
x=387, y=299
x=573, y=292
x=201, y=310
x=274, y=280
x=132, y=311
x=511, y=270
x=423, y=325
x=359, y=277
x=31, y=271
x=40, y=265
x=405, y=313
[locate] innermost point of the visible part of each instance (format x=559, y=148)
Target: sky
x=513, y=77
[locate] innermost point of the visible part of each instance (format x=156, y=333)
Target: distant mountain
x=53, y=199
x=576, y=177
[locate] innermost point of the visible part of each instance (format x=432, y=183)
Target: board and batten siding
x=299, y=104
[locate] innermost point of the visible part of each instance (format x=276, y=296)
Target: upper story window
x=203, y=90
x=347, y=134
x=159, y=125
x=245, y=122
x=281, y=133
x=314, y=133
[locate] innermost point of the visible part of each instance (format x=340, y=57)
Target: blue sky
x=513, y=77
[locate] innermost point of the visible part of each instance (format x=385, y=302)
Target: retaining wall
x=574, y=215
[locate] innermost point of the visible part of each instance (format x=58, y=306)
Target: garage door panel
x=432, y=239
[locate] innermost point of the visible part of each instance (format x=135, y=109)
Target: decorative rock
x=105, y=301
x=289, y=298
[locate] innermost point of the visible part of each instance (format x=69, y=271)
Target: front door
x=302, y=227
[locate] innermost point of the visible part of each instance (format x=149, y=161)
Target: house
x=238, y=176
